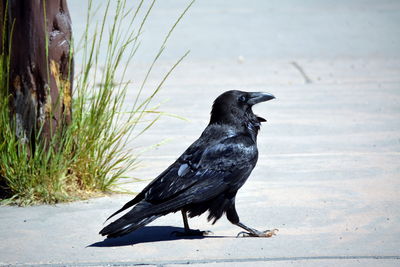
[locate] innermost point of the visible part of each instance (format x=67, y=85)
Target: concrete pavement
x=328, y=171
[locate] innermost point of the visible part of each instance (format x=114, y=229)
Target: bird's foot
x=255, y=233
x=192, y=232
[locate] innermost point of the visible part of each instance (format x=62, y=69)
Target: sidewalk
x=328, y=174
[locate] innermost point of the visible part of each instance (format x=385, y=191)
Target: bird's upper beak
x=257, y=97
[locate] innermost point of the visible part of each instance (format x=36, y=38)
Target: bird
x=207, y=176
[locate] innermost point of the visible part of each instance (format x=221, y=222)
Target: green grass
x=89, y=157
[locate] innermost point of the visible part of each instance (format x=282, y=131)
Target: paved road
x=328, y=173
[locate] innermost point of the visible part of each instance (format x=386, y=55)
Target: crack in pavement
x=302, y=72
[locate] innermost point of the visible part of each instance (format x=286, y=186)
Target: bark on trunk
x=40, y=81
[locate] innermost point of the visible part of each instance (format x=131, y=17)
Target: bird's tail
x=131, y=221
x=142, y=214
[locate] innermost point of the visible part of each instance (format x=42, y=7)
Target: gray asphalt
x=328, y=175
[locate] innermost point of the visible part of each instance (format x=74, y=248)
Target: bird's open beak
x=258, y=97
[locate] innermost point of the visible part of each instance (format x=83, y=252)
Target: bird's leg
x=185, y=220
x=233, y=217
x=188, y=231
x=254, y=233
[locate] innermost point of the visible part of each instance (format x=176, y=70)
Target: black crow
x=207, y=176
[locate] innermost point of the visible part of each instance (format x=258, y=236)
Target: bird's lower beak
x=258, y=97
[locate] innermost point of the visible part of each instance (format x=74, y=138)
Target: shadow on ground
x=147, y=234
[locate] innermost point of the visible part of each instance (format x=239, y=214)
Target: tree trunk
x=41, y=66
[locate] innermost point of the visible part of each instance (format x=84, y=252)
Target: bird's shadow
x=145, y=235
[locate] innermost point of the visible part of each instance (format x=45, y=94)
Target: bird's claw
x=192, y=233
x=267, y=233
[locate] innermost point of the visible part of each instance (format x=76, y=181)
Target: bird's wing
x=220, y=167
x=206, y=166
x=202, y=168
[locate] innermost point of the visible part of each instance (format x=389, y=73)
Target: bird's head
x=233, y=106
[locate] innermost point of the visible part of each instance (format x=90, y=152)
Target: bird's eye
x=242, y=99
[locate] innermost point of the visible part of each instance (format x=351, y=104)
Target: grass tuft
x=89, y=156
